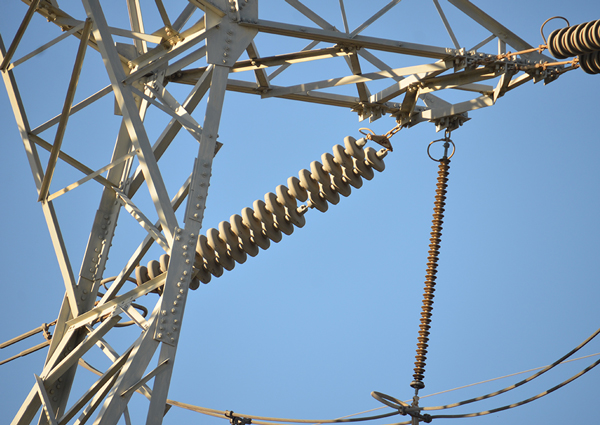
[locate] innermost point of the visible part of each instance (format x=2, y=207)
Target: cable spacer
x=237, y=420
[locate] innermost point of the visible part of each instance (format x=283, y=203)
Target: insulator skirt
x=266, y=221
x=575, y=40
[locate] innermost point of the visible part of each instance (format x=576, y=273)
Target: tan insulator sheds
x=267, y=221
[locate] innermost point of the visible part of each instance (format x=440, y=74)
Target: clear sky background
x=308, y=328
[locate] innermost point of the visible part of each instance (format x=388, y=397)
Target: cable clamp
x=404, y=409
x=46, y=332
x=237, y=420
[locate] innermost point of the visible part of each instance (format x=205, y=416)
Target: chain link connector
x=383, y=140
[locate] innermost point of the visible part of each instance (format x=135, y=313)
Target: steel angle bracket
x=176, y=287
x=229, y=40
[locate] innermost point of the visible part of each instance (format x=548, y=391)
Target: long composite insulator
x=220, y=249
x=575, y=40
x=430, y=277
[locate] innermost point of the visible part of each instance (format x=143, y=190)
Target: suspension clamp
x=404, y=409
x=237, y=420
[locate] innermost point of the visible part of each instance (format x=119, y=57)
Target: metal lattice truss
x=205, y=47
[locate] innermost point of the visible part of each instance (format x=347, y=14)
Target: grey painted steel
x=138, y=76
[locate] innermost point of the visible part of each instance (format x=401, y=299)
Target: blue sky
x=309, y=327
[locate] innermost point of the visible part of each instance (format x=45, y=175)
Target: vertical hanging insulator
x=432, y=263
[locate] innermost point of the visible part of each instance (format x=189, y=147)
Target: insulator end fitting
x=417, y=385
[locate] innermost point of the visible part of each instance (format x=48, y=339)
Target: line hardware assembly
x=363, y=161
x=203, y=48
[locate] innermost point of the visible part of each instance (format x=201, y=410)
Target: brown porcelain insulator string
x=432, y=264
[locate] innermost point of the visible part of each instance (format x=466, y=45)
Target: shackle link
x=432, y=263
x=267, y=220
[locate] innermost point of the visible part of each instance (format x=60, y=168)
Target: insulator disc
x=285, y=198
x=233, y=242
x=373, y=160
x=227, y=235
x=364, y=169
x=226, y=261
x=141, y=275
x=585, y=43
x=202, y=274
x=590, y=62
x=243, y=233
x=296, y=218
x=330, y=193
x=353, y=149
x=319, y=174
x=215, y=242
x=330, y=165
x=296, y=189
x=341, y=186
x=194, y=283
x=318, y=202
x=268, y=221
x=308, y=182
x=204, y=249
x=575, y=40
x=285, y=225
x=250, y=221
x=214, y=267
x=341, y=157
x=354, y=179
x=164, y=262
x=274, y=206
x=198, y=261
x=154, y=269
x=278, y=210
